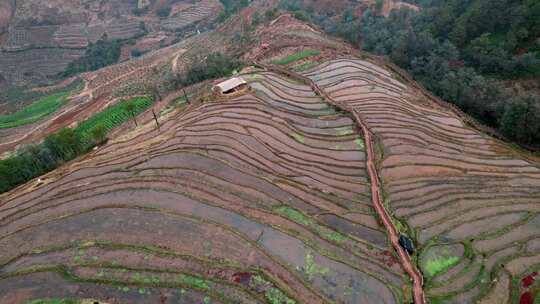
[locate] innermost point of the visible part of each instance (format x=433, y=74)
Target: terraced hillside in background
x=243, y=200
x=191, y=13
x=154, y=70
x=39, y=39
x=111, y=84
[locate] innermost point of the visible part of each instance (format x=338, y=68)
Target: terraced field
x=37, y=56
x=260, y=198
x=36, y=64
x=124, y=29
x=35, y=111
x=38, y=36
x=192, y=14
x=471, y=202
x=129, y=78
x=70, y=36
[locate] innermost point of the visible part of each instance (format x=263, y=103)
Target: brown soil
x=304, y=181
x=213, y=174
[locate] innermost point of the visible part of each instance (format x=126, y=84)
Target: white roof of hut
x=230, y=84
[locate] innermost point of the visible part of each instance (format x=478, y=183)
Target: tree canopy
x=98, y=55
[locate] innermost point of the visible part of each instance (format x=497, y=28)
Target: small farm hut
x=230, y=86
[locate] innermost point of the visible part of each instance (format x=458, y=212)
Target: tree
x=459, y=33
x=136, y=52
x=348, y=16
x=521, y=120
x=214, y=66
x=399, y=53
x=232, y=6
x=130, y=108
x=379, y=5
x=270, y=14
x=301, y=15
x=9, y=173
x=64, y=145
x=98, y=134
x=528, y=63
x=98, y=55
x=164, y=11
x=156, y=93
x=140, y=11
x=256, y=18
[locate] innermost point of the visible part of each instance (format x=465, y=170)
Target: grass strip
x=295, y=57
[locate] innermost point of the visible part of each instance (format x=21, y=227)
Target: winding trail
x=405, y=259
x=418, y=280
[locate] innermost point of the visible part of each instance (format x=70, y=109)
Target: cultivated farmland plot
x=34, y=112
x=113, y=116
x=263, y=198
x=21, y=126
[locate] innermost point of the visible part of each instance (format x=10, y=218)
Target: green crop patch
x=438, y=259
x=183, y=100
x=272, y=294
x=35, y=111
x=305, y=66
x=312, y=269
x=347, y=130
x=295, y=57
x=113, y=116
x=252, y=77
x=295, y=216
x=54, y=301
x=360, y=143
x=194, y=282
x=67, y=144
x=300, y=218
x=276, y=296
x=439, y=265
x=298, y=137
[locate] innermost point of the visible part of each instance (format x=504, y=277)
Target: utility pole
x=157, y=95
x=185, y=96
x=155, y=118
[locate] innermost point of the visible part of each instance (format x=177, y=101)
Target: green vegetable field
x=35, y=111
x=295, y=57
x=113, y=116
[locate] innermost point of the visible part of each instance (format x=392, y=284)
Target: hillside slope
x=109, y=85
x=40, y=39
x=242, y=174
x=471, y=201
x=293, y=190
